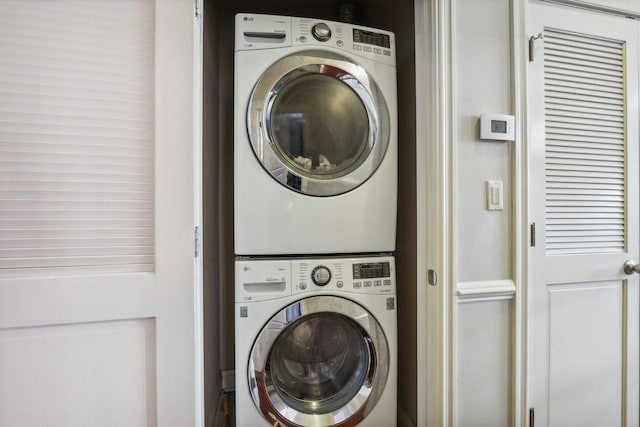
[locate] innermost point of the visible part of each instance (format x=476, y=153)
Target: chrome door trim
x=276, y=163
x=266, y=397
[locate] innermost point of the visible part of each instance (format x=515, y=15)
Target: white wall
x=482, y=83
x=483, y=243
x=483, y=385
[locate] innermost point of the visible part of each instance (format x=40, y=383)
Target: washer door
x=322, y=361
x=318, y=123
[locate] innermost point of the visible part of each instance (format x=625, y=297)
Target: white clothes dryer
x=316, y=342
x=315, y=154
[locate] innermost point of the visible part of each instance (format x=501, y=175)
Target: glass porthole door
x=322, y=361
x=318, y=123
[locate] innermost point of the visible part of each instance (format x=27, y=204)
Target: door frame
x=198, y=176
x=433, y=127
x=436, y=219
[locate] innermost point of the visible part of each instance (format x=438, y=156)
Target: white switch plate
x=495, y=196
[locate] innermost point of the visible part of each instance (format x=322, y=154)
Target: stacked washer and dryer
x=315, y=176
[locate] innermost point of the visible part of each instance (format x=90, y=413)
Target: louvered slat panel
x=569, y=106
x=593, y=229
x=574, y=148
x=582, y=233
x=568, y=172
x=580, y=204
x=77, y=113
x=578, y=182
x=576, y=76
x=562, y=118
x=582, y=194
x=573, y=87
x=590, y=164
x=585, y=144
x=593, y=98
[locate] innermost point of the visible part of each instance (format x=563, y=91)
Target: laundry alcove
x=218, y=252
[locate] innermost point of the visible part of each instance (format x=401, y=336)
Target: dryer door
x=322, y=361
x=318, y=123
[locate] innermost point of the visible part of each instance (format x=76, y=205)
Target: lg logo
x=246, y=18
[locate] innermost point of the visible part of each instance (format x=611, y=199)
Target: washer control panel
x=266, y=279
x=374, y=275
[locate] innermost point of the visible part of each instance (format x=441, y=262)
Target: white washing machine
x=315, y=158
x=316, y=342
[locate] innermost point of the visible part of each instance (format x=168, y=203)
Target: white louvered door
x=99, y=309
x=583, y=148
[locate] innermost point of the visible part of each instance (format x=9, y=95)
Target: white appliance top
x=256, y=31
x=260, y=280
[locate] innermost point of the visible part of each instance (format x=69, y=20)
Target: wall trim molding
x=597, y=8
x=486, y=290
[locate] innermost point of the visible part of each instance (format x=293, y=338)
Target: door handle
x=631, y=267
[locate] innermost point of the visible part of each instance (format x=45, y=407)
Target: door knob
x=631, y=267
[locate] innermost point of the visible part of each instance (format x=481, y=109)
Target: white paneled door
x=583, y=321
x=99, y=292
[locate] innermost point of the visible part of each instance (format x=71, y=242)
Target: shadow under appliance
x=315, y=150
x=316, y=342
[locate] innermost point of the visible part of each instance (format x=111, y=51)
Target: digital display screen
x=371, y=270
x=498, y=126
x=368, y=37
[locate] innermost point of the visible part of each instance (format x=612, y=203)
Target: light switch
x=495, y=196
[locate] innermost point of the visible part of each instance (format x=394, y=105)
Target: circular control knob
x=321, y=32
x=321, y=275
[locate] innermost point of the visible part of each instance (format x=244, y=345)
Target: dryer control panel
x=258, y=31
x=378, y=45
x=259, y=280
